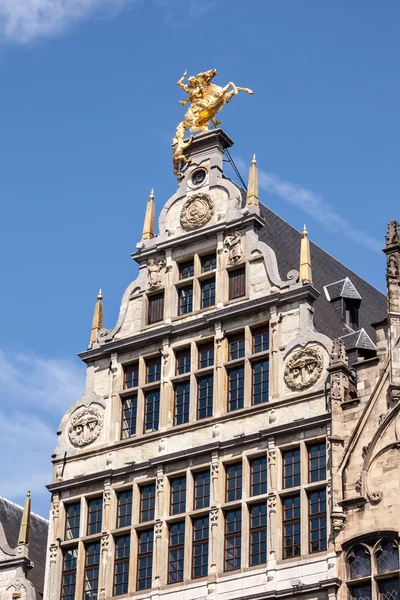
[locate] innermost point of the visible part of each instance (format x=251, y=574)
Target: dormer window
x=350, y=310
x=346, y=300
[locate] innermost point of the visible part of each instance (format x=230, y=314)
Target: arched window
x=373, y=570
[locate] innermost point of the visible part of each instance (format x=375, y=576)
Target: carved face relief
x=304, y=368
x=197, y=211
x=86, y=425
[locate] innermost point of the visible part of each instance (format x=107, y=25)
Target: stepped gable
x=10, y=518
x=285, y=241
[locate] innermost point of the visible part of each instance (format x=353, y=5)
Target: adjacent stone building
x=239, y=435
x=23, y=541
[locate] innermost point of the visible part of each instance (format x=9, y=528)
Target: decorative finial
x=97, y=323
x=252, y=188
x=25, y=527
x=305, y=258
x=149, y=219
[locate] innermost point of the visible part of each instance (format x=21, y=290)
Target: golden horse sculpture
x=206, y=100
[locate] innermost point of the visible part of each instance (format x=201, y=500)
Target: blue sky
x=88, y=110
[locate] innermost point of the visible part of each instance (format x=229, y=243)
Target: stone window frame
x=91, y=567
x=69, y=573
x=303, y=490
x=176, y=575
x=121, y=561
x=372, y=544
x=248, y=361
x=195, y=281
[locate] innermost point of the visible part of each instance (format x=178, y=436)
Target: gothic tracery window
x=373, y=570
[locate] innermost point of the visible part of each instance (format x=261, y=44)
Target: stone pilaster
x=392, y=251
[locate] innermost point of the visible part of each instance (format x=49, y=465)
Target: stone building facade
x=238, y=437
x=23, y=541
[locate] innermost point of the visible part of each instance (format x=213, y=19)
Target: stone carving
x=53, y=552
x=233, y=245
x=304, y=368
x=162, y=444
x=160, y=483
x=214, y=516
x=158, y=528
x=338, y=522
x=86, y=425
x=215, y=469
x=336, y=392
x=358, y=486
x=338, y=353
x=393, y=234
x=197, y=211
x=105, y=538
x=154, y=268
x=271, y=455
x=271, y=500
x=392, y=269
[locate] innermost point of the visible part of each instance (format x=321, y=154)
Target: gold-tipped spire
x=97, y=323
x=149, y=219
x=305, y=258
x=24, y=530
x=252, y=188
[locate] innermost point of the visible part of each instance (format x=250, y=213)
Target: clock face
x=198, y=177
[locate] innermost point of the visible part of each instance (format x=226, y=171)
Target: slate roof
x=342, y=289
x=285, y=241
x=10, y=517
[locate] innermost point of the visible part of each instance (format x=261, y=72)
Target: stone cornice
x=191, y=452
x=235, y=309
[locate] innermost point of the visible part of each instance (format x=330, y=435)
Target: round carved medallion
x=304, y=368
x=86, y=425
x=197, y=211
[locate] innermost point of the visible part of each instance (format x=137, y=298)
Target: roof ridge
x=21, y=508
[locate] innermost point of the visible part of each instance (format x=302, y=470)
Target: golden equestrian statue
x=206, y=100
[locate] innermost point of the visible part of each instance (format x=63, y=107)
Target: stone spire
x=149, y=219
x=24, y=531
x=252, y=188
x=305, y=258
x=97, y=323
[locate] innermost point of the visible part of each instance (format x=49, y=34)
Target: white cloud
x=35, y=392
x=314, y=206
x=26, y=20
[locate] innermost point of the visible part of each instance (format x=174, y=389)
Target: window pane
x=388, y=557
x=207, y=293
x=147, y=502
x=95, y=515
x=182, y=361
x=362, y=592
x=359, y=562
x=233, y=539
x=260, y=339
x=121, y=564
x=131, y=376
x=291, y=526
x=389, y=589
x=236, y=346
x=152, y=410
x=258, y=534
x=206, y=355
x=72, y=519
x=260, y=381
x=92, y=571
x=234, y=482
x=124, y=510
x=236, y=388
x=185, y=300
x=291, y=468
x=186, y=270
x=200, y=547
x=258, y=471
x=68, y=585
x=317, y=462
x=145, y=559
x=153, y=370
x=129, y=415
x=176, y=552
x=202, y=489
x=205, y=387
x=317, y=521
x=208, y=263
x=178, y=495
x=182, y=402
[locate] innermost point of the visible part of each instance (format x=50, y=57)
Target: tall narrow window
x=178, y=495
x=68, y=587
x=153, y=370
x=156, y=308
x=182, y=403
x=260, y=339
x=202, y=489
x=72, y=519
x=92, y=563
x=317, y=462
x=236, y=388
x=234, y=482
x=206, y=355
x=205, y=387
x=147, y=502
x=131, y=373
x=317, y=520
x=182, y=361
x=124, y=508
x=207, y=293
x=129, y=416
x=176, y=552
x=291, y=526
x=145, y=559
x=291, y=468
x=95, y=515
x=152, y=410
x=236, y=346
x=200, y=547
x=186, y=270
x=233, y=539
x=185, y=300
x=258, y=476
x=121, y=564
x=260, y=381
x=258, y=534
x=208, y=263
x=237, y=283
